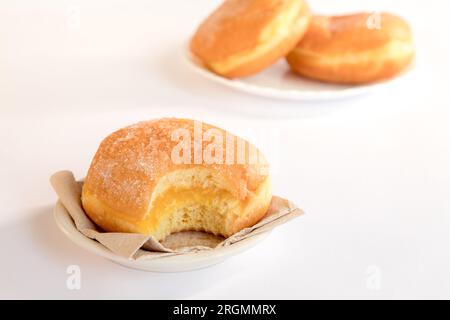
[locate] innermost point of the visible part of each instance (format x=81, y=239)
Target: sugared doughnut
x=353, y=49
x=151, y=178
x=242, y=37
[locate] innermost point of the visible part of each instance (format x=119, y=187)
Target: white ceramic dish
x=176, y=263
x=279, y=82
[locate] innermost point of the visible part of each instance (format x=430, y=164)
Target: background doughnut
x=242, y=37
x=353, y=49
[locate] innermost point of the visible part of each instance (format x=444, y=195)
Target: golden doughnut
x=136, y=182
x=353, y=49
x=242, y=37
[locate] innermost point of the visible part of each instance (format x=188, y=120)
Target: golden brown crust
x=131, y=162
x=353, y=49
x=233, y=28
x=236, y=28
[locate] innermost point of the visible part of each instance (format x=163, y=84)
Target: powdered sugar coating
x=234, y=27
x=130, y=162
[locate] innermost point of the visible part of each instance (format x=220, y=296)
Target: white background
x=372, y=173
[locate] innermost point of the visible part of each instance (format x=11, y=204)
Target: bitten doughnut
x=242, y=37
x=169, y=175
x=353, y=49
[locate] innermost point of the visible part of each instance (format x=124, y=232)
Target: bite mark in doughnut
x=134, y=185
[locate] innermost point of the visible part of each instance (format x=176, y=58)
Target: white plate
x=176, y=263
x=279, y=82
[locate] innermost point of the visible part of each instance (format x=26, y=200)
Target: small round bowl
x=174, y=263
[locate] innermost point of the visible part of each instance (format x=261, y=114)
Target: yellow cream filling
x=210, y=209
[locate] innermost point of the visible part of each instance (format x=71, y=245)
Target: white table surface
x=372, y=173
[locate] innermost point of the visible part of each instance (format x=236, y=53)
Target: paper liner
x=141, y=246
